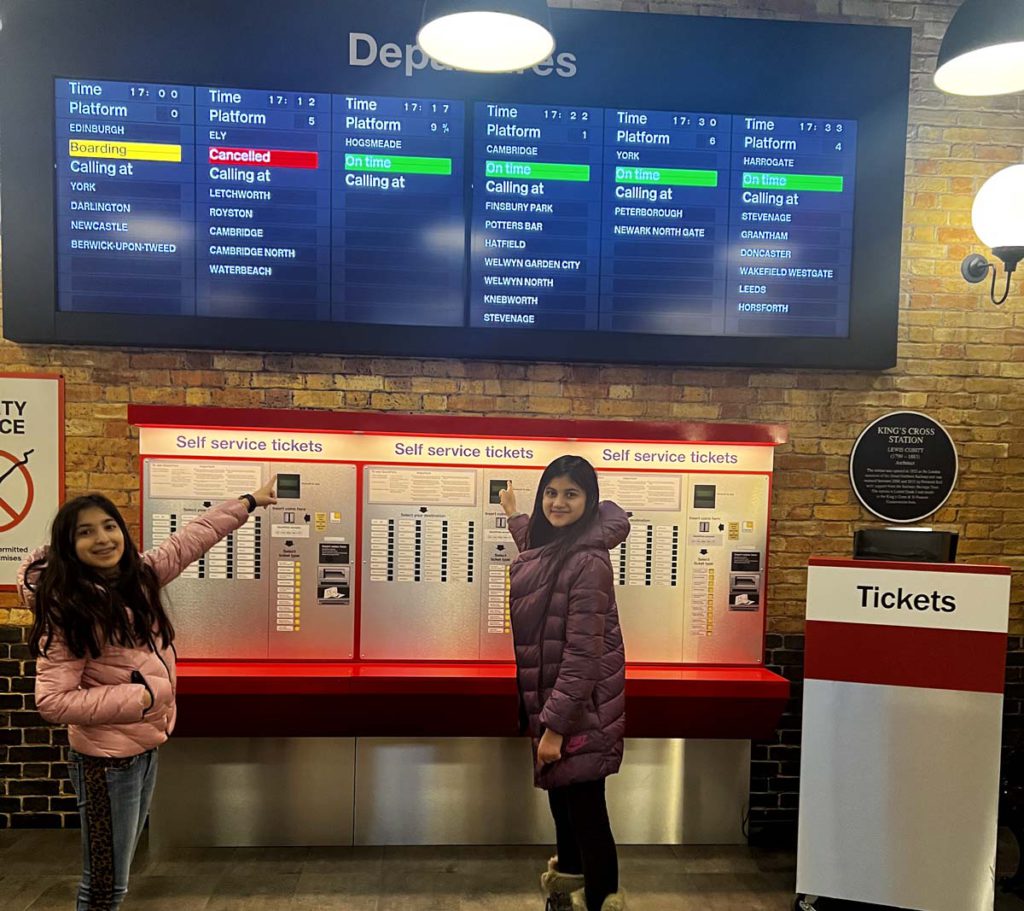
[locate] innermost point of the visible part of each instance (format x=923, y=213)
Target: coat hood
x=611, y=527
x=609, y=530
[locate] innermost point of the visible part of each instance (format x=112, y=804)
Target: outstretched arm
x=518, y=522
x=171, y=557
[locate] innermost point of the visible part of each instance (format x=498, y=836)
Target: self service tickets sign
x=31, y=465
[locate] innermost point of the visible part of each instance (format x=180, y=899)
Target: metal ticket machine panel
x=280, y=586
x=311, y=556
x=647, y=567
x=218, y=605
x=498, y=553
x=726, y=539
x=421, y=563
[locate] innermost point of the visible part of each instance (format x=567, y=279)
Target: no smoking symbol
x=15, y=498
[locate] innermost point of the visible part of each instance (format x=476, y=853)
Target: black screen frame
x=760, y=66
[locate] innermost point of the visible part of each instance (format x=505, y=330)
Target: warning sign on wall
x=31, y=465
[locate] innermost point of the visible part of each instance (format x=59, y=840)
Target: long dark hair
x=86, y=609
x=540, y=532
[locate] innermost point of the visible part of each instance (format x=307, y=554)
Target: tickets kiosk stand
x=346, y=672
x=902, y=723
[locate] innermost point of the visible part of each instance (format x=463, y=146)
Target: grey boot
x=616, y=902
x=558, y=887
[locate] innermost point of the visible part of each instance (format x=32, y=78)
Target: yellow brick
x=360, y=383
x=387, y=401
x=15, y=616
x=546, y=404
x=150, y=395
x=357, y=400
x=471, y=404
x=551, y=372
x=327, y=399
x=543, y=389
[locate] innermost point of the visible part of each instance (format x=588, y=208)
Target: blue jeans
x=113, y=802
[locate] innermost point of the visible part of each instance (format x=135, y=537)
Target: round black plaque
x=903, y=466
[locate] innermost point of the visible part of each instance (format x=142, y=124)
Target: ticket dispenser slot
x=726, y=539
x=334, y=574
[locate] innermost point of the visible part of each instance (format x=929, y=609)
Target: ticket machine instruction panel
x=368, y=558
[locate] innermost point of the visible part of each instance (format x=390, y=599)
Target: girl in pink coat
x=105, y=666
x=571, y=672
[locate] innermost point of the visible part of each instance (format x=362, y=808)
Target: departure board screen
x=308, y=180
x=213, y=201
x=259, y=204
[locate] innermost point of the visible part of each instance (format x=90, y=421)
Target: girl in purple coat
x=571, y=671
x=105, y=660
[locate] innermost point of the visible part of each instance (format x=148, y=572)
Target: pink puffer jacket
x=94, y=696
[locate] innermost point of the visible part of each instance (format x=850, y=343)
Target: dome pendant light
x=998, y=219
x=486, y=36
x=982, y=52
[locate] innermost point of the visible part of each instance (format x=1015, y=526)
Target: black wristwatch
x=250, y=501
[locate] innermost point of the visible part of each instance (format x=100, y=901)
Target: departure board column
x=536, y=244
x=666, y=216
x=399, y=227
x=264, y=213
x=791, y=226
x=125, y=197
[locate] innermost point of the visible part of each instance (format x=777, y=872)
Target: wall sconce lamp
x=982, y=52
x=998, y=219
x=486, y=36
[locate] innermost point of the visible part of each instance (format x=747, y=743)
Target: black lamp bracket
x=975, y=267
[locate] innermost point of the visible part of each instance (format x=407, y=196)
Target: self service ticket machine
x=432, y=576
x=281, y=586
x=673, y=571
x=359, y=629
x=439, y=552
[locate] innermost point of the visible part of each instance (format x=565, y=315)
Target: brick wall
x=775, y=764
x=34, y=788
x=960, y=359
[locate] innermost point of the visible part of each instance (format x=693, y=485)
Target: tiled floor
x=38, y=872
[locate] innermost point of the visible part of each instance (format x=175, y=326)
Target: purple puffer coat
x=577, y=686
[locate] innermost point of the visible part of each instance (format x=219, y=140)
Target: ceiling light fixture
x=982, y=52
x=486, y=36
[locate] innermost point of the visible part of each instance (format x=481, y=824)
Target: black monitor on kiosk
x=905, y=545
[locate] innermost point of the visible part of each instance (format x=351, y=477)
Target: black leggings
x=585, y=841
